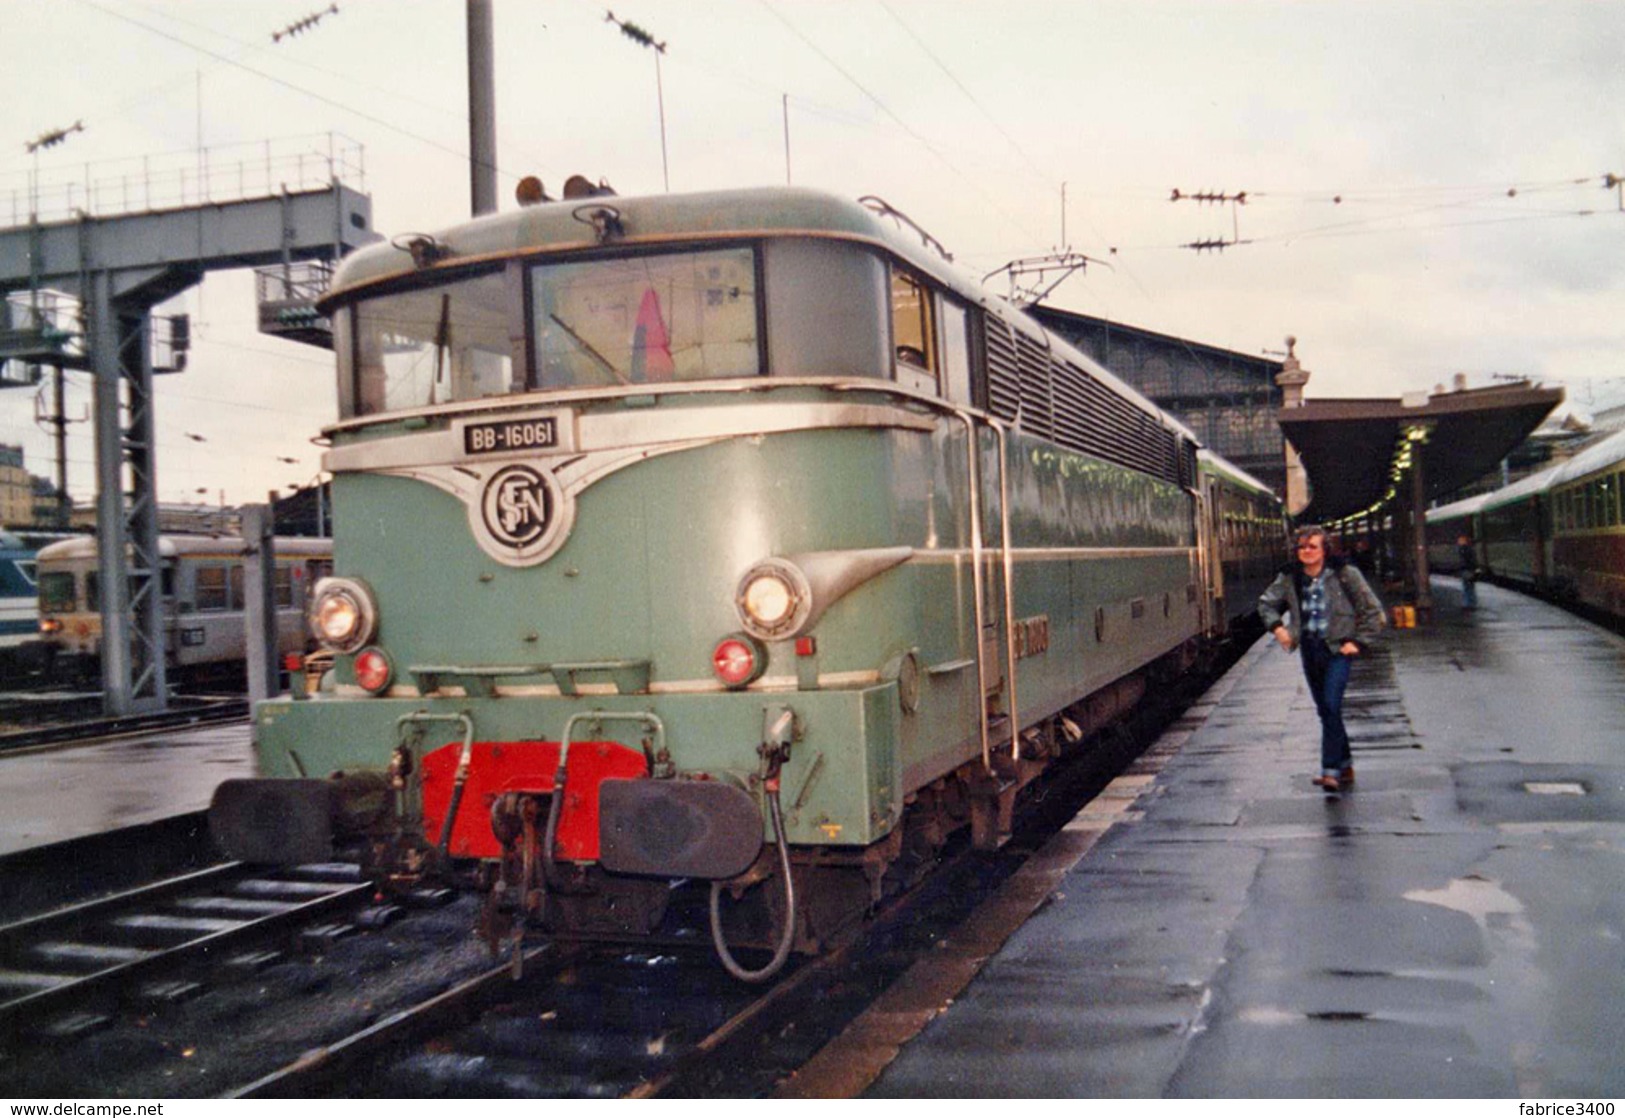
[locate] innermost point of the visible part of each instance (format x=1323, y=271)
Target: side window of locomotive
x=433, y=345
x=646, y=319
x=913, y=332
x=956, y=352
x=93, y=592
x=283, y=588
x=827, y=309
x=212, y=590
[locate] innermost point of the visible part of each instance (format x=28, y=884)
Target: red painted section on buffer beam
x=500, y=767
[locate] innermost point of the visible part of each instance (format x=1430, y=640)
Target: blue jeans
x=1327, y=671
x=1469, y=591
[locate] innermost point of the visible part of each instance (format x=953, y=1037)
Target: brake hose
x=788, y=937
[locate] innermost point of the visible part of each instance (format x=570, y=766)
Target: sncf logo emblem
x=517, y=507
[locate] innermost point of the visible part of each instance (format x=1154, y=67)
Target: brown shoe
x=1329, y=783
x=1347, y=775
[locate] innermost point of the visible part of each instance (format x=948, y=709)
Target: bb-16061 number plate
x=535, y=433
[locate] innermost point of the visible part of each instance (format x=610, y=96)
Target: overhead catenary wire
x=887, y=111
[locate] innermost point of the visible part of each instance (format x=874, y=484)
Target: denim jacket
x=1353, y=610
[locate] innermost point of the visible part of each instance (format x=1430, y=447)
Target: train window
x=238, y=597
x=93, y=592
x=956, y=352
x=913, y=335
x=811, y=284
x=646, y=319
x=212, y=590
x=433, y=345
x=284, y=587
x=56, y=591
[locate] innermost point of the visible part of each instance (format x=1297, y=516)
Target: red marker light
x=372, y=670
x=738, y=660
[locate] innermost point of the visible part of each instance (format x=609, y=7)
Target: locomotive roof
x=750, y=212
x=84, y=547
x=1232, y=471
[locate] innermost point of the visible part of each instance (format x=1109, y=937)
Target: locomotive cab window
x=646, y=319
x=913, y=332
x=431, y=345
x=56, y=591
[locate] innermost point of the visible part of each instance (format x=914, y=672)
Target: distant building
x=1227, y=399
x=16, y=488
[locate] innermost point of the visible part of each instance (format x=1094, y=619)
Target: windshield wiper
x=442, y=342
x=587, y=348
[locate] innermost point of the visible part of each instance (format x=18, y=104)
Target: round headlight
x=337, y=618
x=342, y=614
x=768, y=600
x=773, y=600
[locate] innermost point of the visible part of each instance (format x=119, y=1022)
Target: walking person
x=1324, y=607
x=1469, y=571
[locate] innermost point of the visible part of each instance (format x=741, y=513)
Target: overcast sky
x=1424, y=181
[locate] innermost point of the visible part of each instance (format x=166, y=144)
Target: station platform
x=70, y=791
x=1452, y=926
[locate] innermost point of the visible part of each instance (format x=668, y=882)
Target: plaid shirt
x=1314, y=607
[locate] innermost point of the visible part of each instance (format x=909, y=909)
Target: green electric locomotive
x=733, y=540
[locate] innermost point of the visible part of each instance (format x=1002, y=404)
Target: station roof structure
x=1356, y=450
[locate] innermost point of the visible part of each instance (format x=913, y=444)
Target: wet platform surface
x=64, y=792
x=1453, y=926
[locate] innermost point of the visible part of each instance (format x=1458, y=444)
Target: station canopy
x=1354, y=451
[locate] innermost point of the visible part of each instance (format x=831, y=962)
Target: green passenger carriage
x=733, y=537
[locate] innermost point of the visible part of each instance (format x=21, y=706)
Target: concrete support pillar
x=259, y=608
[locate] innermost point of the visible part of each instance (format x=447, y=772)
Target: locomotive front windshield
x=56, y=591
x=594, y=323
x=434, y=345
x=646, y=319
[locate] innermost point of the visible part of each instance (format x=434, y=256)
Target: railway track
x=80, y=723
x=419, y=1008
x=67, y=971
x=664, y=1020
